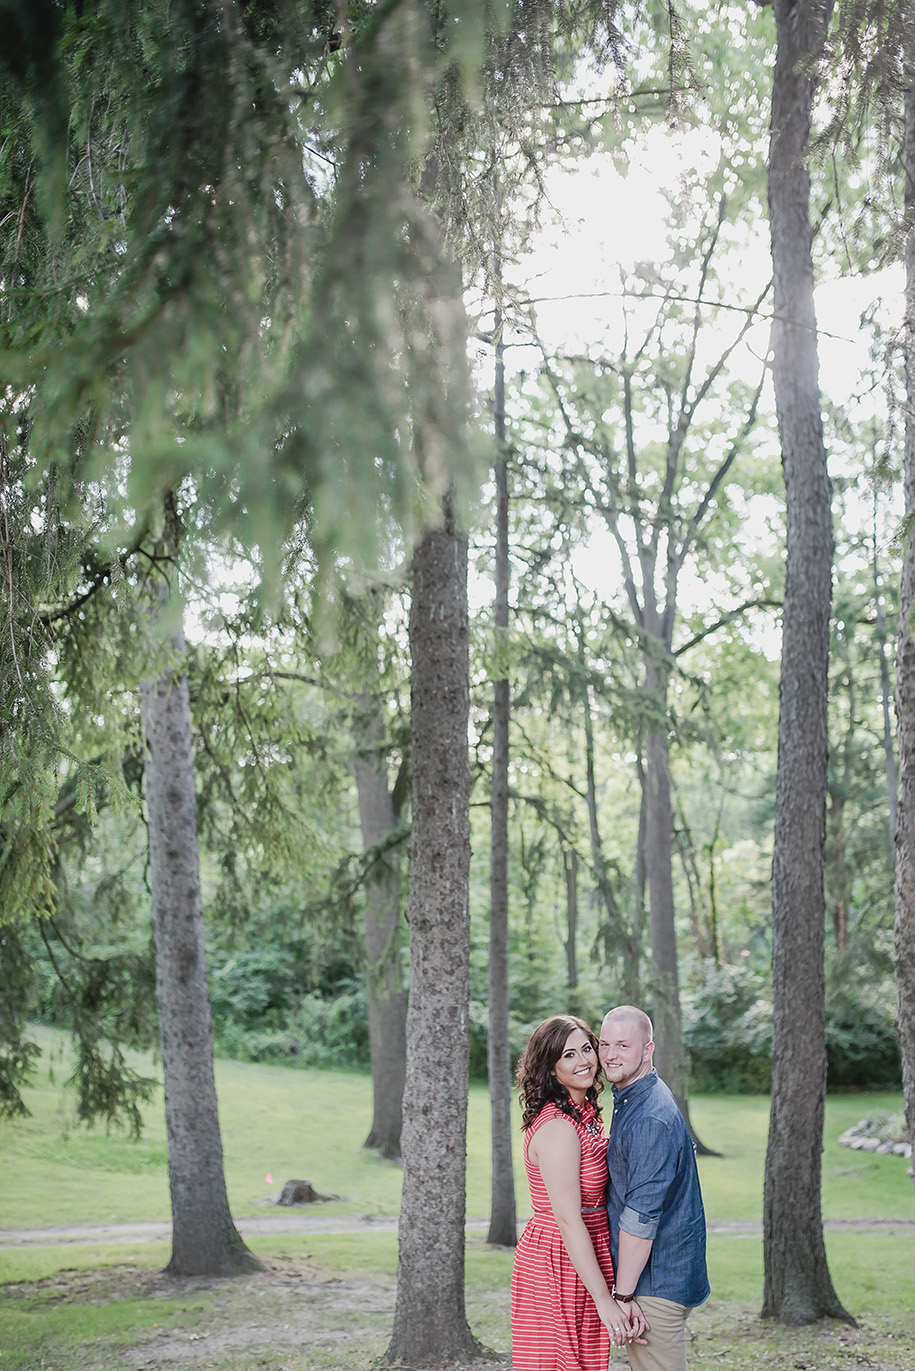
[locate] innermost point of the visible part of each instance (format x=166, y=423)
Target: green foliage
x=274, y=1004
x=862, y=1046
x=727, y=1029
x=17, y=1051
x=728, y=1033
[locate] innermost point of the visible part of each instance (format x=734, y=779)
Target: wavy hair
x=537, y=1086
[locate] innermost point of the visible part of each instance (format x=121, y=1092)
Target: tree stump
x=301, y=1192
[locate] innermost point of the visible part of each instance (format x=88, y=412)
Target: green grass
x=311, y=1124
x=855, y=1184
x=276, y=1121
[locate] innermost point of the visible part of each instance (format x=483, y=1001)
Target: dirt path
x=160, y=1230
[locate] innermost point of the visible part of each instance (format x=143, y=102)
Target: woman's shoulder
x=548, y=1112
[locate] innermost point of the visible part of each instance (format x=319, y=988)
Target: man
x=654, y=1204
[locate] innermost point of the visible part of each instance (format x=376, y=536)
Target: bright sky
x=608, y=222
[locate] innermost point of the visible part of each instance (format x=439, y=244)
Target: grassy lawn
x=326, y=1301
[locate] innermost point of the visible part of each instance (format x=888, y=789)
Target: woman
x=564, y=1317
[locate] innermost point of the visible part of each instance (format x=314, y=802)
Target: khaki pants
x=665, y=1345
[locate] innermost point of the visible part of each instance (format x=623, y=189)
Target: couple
x=567, y=1309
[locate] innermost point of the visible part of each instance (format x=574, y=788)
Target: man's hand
x=638, y=1324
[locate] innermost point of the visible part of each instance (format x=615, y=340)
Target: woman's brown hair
x=537, y=1086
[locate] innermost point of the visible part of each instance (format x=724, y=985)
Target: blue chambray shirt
x=653, y=1190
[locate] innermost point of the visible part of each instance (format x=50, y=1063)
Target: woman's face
x=577, y=1065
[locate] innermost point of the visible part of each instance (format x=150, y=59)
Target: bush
x=314, y=1032
x=862, y=1049
x=727, y=1029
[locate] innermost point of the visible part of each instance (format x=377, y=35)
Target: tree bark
x=430, y=1323
x=617, y=931
x=502, y=1218
x=570, y=870
x=205, y=1241
x=798, y=1288
x=670, y=1053
x=886, y=693
x=387, y=1005
x=670, y=1056
x=905, y=685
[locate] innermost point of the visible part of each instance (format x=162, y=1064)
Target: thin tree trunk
x=905, y=686
x=502, y=1219
x=798, y=1288
x=570, y=868
x=838, y=884
x=612, y=913
x=669, y=1055
x=205, y=1241
x=670, y=1052
x=886, y=694
x=387, y=1004
x=430, y=1323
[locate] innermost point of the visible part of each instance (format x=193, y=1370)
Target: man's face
x=624, y=1054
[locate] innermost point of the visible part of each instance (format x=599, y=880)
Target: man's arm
x=631, y=1258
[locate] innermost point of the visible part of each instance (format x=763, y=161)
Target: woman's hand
x=637, y=1324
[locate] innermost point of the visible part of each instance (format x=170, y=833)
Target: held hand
x=638, y=1324
x=616, y=1321
x=620, y=1325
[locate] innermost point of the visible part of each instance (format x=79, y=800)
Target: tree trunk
x=205, y=1241
x=905, y=687
x=570, y=869
x=839, y=894
x=387, y=1005
x=430, y=1323
x=617, y=932
x=670, y=1057
x=502, y=1219
x=670, y=1053
x=886, y=693
x=798, y=1288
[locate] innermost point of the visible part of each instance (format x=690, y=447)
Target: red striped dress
x=555, y=1325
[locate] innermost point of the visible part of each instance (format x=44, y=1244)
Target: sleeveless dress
x=555, y=1324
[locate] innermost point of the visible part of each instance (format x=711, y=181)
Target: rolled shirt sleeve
x=639, y=1225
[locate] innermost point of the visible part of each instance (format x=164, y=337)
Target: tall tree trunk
x=670, y=1052
x=798, y=1288
x=430, y=1323
x=905, y=686
x=387, y=1004
x=839, y=895
x=502, y=1220
x=570, y=870
x=670, y=1057
x=618, y=933
x=886, y=694
x=205, y=1241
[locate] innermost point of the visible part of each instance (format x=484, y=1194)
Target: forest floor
x=292, y=1318
x=296, y=1316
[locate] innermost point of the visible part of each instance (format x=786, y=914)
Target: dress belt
x=592, y=1208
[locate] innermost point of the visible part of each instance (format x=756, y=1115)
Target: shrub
x=727, y=1029
x=862, y=1049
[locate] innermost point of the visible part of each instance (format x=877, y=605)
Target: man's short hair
x=636, y=1016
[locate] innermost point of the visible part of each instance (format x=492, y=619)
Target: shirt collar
x=636, y=1088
